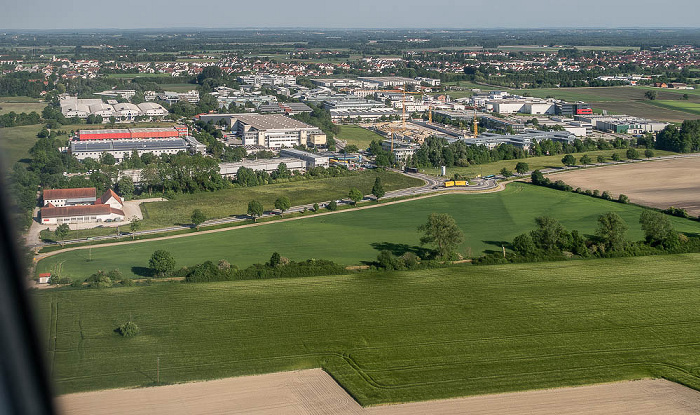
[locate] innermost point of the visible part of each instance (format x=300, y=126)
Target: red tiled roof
x=81, y=210
x=82, y=192
x=109, y=194
x=44, y=274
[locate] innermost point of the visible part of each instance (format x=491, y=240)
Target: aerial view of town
x=353, y=219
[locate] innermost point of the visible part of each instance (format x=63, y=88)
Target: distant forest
x=375, y=42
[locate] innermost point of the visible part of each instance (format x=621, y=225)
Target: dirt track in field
x=315, y=392
x=659, y=184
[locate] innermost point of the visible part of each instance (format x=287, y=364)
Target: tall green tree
x=282, y=203
x=378, y=188
x=355, y=195
x=612, y=231
x=549, y=234
x=198, y=218
x=161, y=263
x=125, y=187
x=522, y=167
x=61, y=232
x=255, y=209
x=135, y=225
x=442, y=231
x=656, y=226
x=569, y=160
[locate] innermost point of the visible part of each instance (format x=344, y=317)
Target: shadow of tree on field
x=400, y=249
x=499, y=245
x=142, y=271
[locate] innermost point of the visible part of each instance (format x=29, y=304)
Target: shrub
x=623, y=199
x=606, y=195
x=129, y=329
x=333, y=205
x=596, y=193
x=315, y=207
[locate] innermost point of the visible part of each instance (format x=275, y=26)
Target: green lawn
x=543, y=162
x=178, y=87
x=20, y=107
x=393, y=337
x=232, y=202
x=361, y=137
x=685, y=106
x=488, y=220
x=15, y=142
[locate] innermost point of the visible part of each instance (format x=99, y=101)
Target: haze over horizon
x=361, y=14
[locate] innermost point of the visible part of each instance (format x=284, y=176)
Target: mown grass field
x=543, y=162
x=488, y=221
x=686, y=106
x=392, y=337
x=231, y=202
x=7, y=105
x=358, y=136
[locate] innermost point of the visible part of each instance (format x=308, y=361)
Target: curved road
x=432, y=185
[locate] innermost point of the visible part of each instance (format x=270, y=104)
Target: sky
x=453, y=14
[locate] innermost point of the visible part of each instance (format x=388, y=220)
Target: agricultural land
x=489, y=221
x=660, y=184
x=392, y=337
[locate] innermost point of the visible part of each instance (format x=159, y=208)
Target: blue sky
x=130, y=14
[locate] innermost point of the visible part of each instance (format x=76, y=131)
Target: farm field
x=660, y=184
x=392, y=337
x=686, y=106
x=543, y=162
x=358, y=136
x=8, y=104
x=488, y=221
x=231, y=202
x=288, y=392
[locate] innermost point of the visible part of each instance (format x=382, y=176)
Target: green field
x=232, y=202
x=20, y=104
x=686, y=106
x=393, y=337
x=488, y=220
x=535, y=163
x=358, y=136
x=178, y=87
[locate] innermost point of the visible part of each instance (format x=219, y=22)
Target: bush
x=606, y=195
x=332, y=206
x=129, y=329
x=315, y=207
x=623, y=199
x=673, y=211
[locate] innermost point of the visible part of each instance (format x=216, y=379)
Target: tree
x=134, y=226
x=522, y=167
x=505, y=172
x=615, y=157
x=282, y=203
x=255, y=209
x=378, y=188
x=442, y=231
x=538, y=178
x=586, y=160
x=355, y=195
x=650, y=95
x=197, y=218
x=275, y=260
x=656, y=226
x=315, y=207
x=648, y=153
x=623, y=199
x=333, y=205
x=569, y=160
x=601, y=158
x=611, y=231
x=632, y=154
x=61, y=232
x=161, y=262
x=549, y=234
x=129, y=329
x=351, y=148
x=125, y=187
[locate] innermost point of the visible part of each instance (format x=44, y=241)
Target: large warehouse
x=119, y=148
x=132, y=133
x=80, y=206
x=81, y=108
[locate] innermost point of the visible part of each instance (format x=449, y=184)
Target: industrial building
x=82, y=108
x=523, y=140
x=624, y=124
x=268, y=79
x=274, y=131
x=312, y=160
x=230, y=170
x=80, y=206
x=373, y=114
x=387, y=81
x=132, y=133
x=570, y=109
x=119, y=148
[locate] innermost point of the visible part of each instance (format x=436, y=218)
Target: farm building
x=77, y=206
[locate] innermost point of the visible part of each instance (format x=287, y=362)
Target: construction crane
x=430, y=113
x=476, y=124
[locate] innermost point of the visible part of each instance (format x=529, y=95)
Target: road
x=432, y=185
